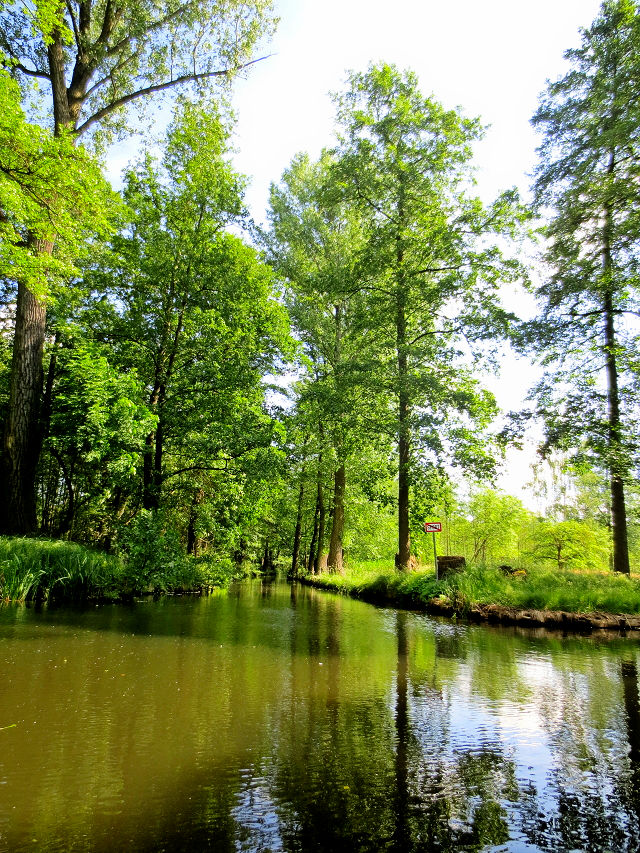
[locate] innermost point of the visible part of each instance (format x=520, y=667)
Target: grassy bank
x=32, y=569
x=541, y=589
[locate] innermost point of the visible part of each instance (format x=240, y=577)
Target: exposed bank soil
x=552, y=619
x=496, y=614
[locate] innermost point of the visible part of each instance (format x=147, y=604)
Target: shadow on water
x=278, y=718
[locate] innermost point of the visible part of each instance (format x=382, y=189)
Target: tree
x=47, y=186
x=313, y=245
x=189, y=308
x=96, y=59
x=429, y=267
x=94, y=439
x=568, y=544
x=588, y=175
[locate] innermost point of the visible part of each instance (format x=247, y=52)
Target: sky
x=490, y=59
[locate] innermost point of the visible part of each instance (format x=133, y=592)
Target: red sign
x=432, y=527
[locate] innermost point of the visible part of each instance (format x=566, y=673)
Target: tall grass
x=543, y=588
x=32, y=569
x=540, y=589
x=39, y=568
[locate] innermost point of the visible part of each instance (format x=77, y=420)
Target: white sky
x=489, y=58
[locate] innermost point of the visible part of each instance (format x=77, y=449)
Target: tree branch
x=76, y=31
x=434, y=332
x=159, y=87
x=154, y=26
x=31, y=73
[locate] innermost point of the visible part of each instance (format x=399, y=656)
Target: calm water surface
x=278, y=718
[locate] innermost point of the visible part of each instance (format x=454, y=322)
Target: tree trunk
x=148, y=456
x=296, y=536
x=22, y=439
x=314, y=541
x=191, y=526
x=22, y=434
x=403, y=557
x=320, y=563
x=157, y=459
x=317, y=538
x=334, y=560
x=267, y=566
x=617, y=465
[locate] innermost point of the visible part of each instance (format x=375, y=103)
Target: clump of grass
x=546, y=589
x=540, y=589
x=39, y=568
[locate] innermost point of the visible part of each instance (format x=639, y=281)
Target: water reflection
x=279, y=718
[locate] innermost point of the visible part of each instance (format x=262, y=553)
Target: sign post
x=433, y=527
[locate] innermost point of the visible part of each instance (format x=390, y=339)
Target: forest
x=186, y=391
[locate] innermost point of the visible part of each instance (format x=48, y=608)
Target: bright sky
x=489, y=58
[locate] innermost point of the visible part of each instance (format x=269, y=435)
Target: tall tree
x=47, y=186
x=588, y=175
x=96, y=58
x=313, y=245
x=190, y=309
x=429, y=266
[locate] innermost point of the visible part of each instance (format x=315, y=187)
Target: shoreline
x=494, y=614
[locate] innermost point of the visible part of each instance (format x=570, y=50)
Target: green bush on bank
x=540, y=589
x=32, y=569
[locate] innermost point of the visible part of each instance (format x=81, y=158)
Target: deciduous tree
x=95, y=59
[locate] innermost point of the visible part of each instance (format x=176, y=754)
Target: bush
x=152, y=554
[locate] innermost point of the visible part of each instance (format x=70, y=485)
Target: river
x=280, y=718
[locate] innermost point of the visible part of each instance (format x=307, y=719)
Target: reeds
x=33, y=569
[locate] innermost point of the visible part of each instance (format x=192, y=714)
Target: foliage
x=151, y=558
x=587, y=176
x=429, y=266
x=157, y=372
x=114, y=56
x=50, y=190
x=570, y=544
x=95, y=438
x=151, y=552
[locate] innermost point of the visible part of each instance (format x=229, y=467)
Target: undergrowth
x=39, y=568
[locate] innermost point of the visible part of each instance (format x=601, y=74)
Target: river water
x=277, y=717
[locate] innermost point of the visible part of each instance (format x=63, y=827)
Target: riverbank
x=576, y=601
x=33, y=569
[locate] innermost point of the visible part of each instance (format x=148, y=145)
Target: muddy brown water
x=279, y=718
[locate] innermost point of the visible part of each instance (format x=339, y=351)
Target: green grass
x=540, y=589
